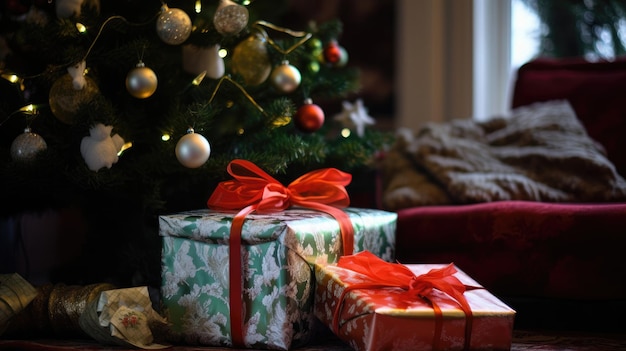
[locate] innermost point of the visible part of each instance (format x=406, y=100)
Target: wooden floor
x=522, y=341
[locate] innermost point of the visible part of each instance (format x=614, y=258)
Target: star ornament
x=355, y=116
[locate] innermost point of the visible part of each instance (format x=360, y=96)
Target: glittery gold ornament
x=27, y=145
x=230, y=18
x=65, y=99
x=173, y=25
x=141, y=81
x=285, y=78
x=251, y=60
x=192, y=150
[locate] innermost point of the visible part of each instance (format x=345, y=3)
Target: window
x=505, y=37
x=525, y=27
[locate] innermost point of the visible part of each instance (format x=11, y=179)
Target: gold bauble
x=173, y=25
x=141, y=81
x=251, y=60
x=65, y=100
x=285, y=78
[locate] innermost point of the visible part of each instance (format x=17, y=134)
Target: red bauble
x=332, y=52
x=309, y=117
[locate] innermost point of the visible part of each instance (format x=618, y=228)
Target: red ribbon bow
x=382, y=274
x=254, y=190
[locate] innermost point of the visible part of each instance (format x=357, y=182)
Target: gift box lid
x=214, y=226
x=400, y=303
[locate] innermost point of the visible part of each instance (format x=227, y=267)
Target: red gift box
x=379, y=315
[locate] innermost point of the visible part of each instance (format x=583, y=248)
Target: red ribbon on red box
x=254, y=190
x=381, y=274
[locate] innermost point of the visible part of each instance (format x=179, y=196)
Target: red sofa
x=560, y=265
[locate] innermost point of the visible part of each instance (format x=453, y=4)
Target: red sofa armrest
x=594, y=89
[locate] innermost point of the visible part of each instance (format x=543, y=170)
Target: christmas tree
x=580, y=28
x=129, y=109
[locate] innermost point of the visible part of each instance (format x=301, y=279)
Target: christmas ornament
x=309, y=117
x=203, y=59
x=285, y=77
x=68, y=8
x=72, y=8
x=251, y=61
x=77, y=72
x=192, y=150
x=335, y=54
x=100, y=149
x=27, y=145
x=141, y=81
x=355, y=116
x=71, y=91
x=230, y=18
x=173, y=25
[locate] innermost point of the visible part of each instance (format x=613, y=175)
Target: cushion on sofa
x=594, y=89
x=540, y=152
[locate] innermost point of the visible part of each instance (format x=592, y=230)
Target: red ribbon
x=254, y=190
x=381, y=274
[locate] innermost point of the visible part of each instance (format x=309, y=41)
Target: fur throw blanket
x=540, y=152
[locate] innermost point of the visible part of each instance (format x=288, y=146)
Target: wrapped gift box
x=279, y=281
x=393, y=319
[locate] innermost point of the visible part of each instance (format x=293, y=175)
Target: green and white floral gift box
x=279, y=283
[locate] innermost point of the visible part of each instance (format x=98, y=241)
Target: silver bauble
x=192, y=150
x=285, y=78
x=27, y=145
x=141, y=81
x=230, y=18
x=173, y=25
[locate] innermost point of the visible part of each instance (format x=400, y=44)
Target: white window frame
x=492, y=58
x=452, y=60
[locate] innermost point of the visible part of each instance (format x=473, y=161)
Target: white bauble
x=193, y=150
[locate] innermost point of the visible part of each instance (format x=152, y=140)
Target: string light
x=125, y=147
x=15, y=79
x=81, y=27
x=29, y=109
x=199, y=78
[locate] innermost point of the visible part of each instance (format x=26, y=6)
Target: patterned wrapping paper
x=280, y=249
x=392, y=319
